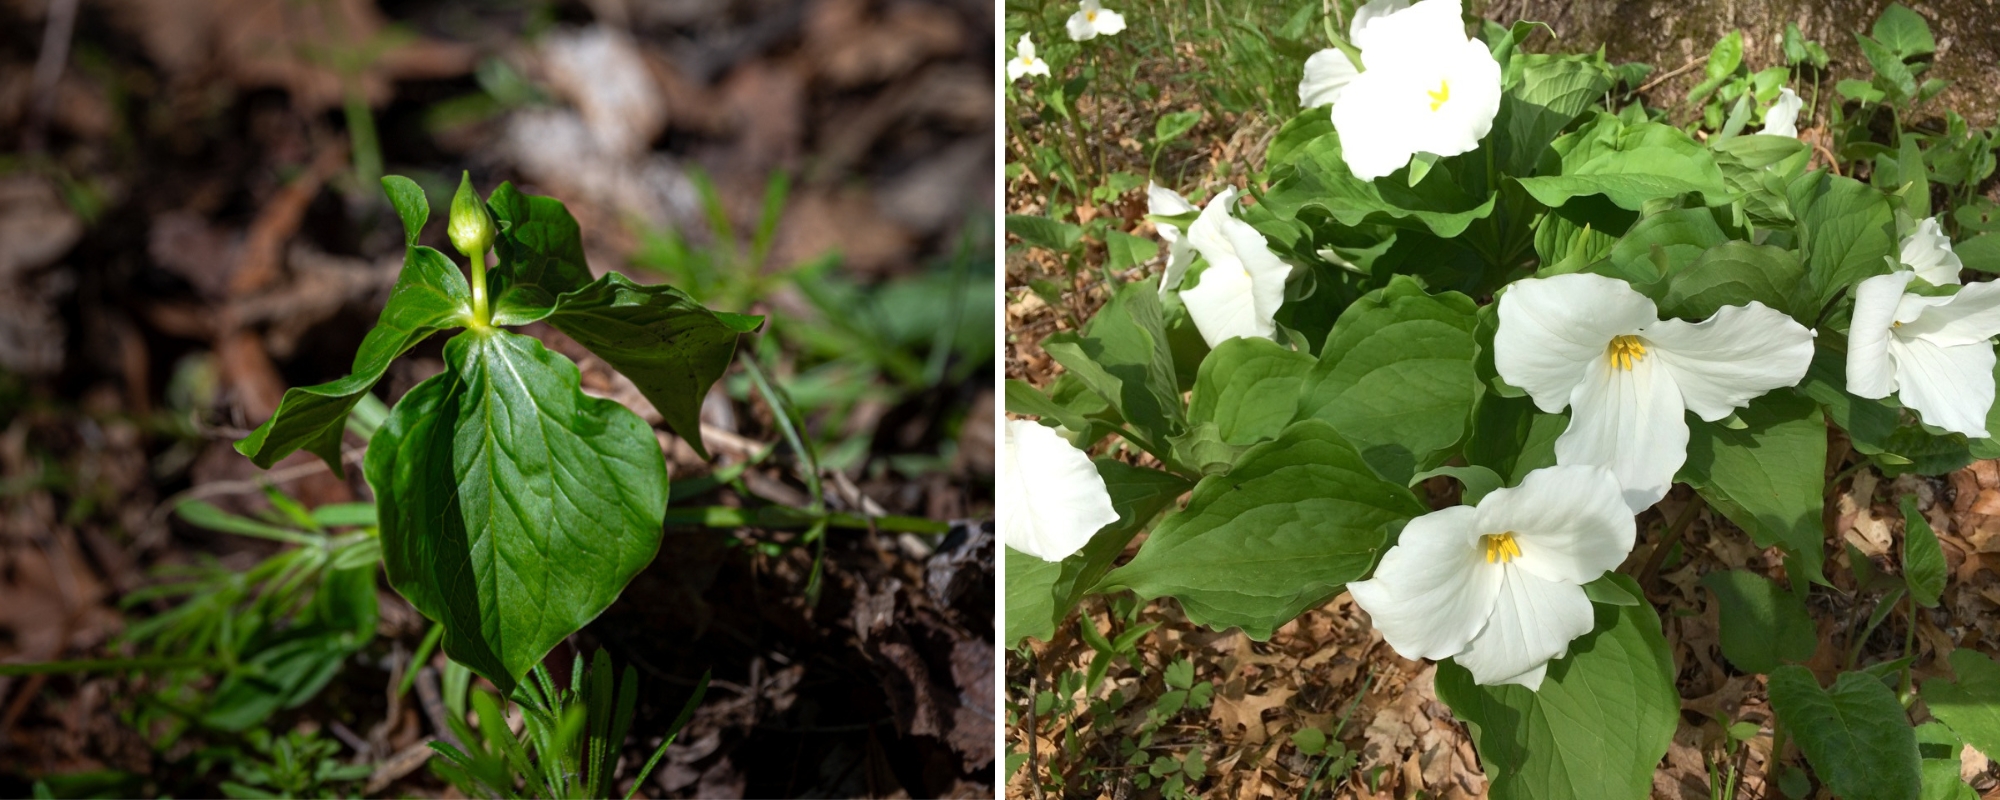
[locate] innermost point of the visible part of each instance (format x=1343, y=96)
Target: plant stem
x=480, y=315
x=788, y=517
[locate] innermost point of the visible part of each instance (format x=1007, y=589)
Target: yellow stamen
x=1500, y=547
x=1625, y=351
x=1439, y=97
x=1090, y=16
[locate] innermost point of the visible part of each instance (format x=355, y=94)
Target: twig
x=1669, y=76
x=432, y=702
x=48, y=72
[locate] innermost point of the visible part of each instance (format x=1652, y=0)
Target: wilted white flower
x=1782, y=118
x=1092, y=20
x=1024, y=61
x=1934, y=353
x=1166, y=202
x=1051, y=498
x=1498, y=587
x=1928, y=251
x=1244, y=284
x=1425, y=88
x=1595, y=345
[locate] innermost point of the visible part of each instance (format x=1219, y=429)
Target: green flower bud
x=471, y=226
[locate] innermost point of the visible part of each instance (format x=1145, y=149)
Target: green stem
x=788, y=517
x=480, y=316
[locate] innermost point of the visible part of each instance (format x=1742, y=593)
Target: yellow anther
x=1625, y=351
x=1500, y=547
x=1439, y=97
x=1090, y=16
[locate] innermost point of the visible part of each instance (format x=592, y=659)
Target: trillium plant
x=513, y=508
x=1475, y=346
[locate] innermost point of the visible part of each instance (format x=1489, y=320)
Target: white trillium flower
x=1025, y=62
x=1163, y=201
x=1052, y=498
x=1426, y=88
x=1244, y=284
x=1595, y=345
x=1329, y=71
x=1782, y=118
x=1092, y=20
x=1934, y=353
x=1499, y=586
x=1928, y=251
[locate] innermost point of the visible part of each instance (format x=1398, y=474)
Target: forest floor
x=190, y=223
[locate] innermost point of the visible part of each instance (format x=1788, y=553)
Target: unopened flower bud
x=471, y=226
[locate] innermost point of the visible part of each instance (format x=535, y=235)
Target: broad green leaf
x=1396, y=377
x=1758, y=168
x=1880, y=430
x=1512, y=437
x=1315, y=179
x=1123, y=250
x=1763, y=624
x=412, y=207
x=1297, y=518
x=1903, y=31
x=1552, y=93
x=1202, y=449
x=1923, y=558
x=1249, y=388
x=1970, y=704
x=1856, y=736
x=1940, y=750
x=1736, y=273
x=1024, y=398
x=1725, y=57
x=1044, y=232
x=1475, y=481
x=1670, y=240
x=1980, y=252
x=1598, y=726
x=1041, y=593
x=1846, y=228
x=671, y=347
x=430, y=296
x=1296, y=135
x=513, y=508
x=1767, y=477
x=540, y=252
x=1123, y=357
x=1629, y=164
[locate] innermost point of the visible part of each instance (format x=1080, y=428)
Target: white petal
x=1870, y=373
x=1970, y=317
x=1725, y=361
x=1052, y=496
x=1404, y=33
x=1224, y=305
x=1553, y=329
x=1024, y=48
x=1109, y=22
x=1167, y=202
x=1374, y=119
x=1434, y=590
x=1781, y=119
x=1629, y=421
x=1327, y=73
x=1244, y=284
x=1570, y=522
x=1079, y=26
x=1950, y=387
x=1928, y=251
x=1373, y=10
x=1015, y=69
x=1040, y=67
x=1533, y=620
x=1472, y=79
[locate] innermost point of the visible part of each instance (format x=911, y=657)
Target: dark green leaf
x=1044, y=232
x=513, y=508
x=1736, y=273
x=1970, y=704
x=1629, y=164
x=1123, y=357
x=1856, y=736
x=1923, y=558
x=1763, y=625
x=1903, y=31
x=1940, y=749
x=671, y=347
x=1123, y=250
x=1297, y=518
x=1249, y=388
x=1316, y=177
x=1846, y=228
x=1767, y=477
x=1604, y=716
x=540, y=253
x=1041, y=593
x=411, y=205
x=430, y=296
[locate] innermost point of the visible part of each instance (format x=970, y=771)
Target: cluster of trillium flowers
x=1499, y=586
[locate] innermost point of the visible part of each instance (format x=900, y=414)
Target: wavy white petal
x=1781, y=119
x=1369, y=13
x=1928, y=251
x=1434, y=590
x=1970, y=317
x=1870, y=373
x=1533, y=620
x=1180, y=253
x=1631, y=422
x=1950, y=387
x=1570, y=522
x=1727, y=360
x=1051, y=497
x=1552, y=330
x=1327, y=73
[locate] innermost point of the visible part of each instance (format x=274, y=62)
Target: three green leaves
x=514, y=508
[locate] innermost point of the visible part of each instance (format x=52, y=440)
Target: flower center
x=1625, y=351
x=1500, y=547
x=1439, y=97
x=1089, y=16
